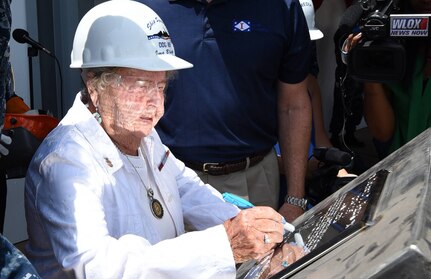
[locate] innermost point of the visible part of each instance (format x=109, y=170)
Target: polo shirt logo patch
x=242, y=26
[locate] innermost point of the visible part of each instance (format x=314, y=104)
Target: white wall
x=19, y=57
x=15, y=227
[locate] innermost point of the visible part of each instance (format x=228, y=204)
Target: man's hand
x=254, y=232
x=290, y=212
x=4, y=141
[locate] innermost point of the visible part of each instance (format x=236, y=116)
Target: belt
x=227, y=167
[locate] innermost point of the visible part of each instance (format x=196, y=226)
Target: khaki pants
x=259, y=184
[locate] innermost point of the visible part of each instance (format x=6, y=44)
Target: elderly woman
x=104, y=197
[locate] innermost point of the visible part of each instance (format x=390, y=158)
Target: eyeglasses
x=135, y=84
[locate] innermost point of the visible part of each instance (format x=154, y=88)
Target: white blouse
x=165, y=225
x=88, y=214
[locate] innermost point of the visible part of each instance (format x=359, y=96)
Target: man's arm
x=294, y=125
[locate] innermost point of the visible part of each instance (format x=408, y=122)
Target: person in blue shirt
x=319, y=137
x=246, y=92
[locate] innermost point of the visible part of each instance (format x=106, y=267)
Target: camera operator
x=347, y=109
x=397, y=111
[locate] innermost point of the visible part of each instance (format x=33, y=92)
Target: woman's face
x=133, y=103
x=421, y=6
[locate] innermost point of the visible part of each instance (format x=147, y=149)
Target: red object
x=16, y=105
x=37, y=124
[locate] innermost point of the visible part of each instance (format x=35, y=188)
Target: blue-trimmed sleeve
x=295, y=64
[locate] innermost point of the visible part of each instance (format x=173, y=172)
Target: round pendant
x=156, y=208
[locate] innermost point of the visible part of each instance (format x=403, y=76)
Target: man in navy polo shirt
x=245, y=93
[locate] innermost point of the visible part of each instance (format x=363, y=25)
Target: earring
x=97, y=116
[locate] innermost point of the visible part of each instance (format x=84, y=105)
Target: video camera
x=381, y=55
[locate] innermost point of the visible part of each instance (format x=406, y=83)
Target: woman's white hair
x=97, y=77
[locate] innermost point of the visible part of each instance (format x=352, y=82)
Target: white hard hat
x=308, y=9
x=124, y=33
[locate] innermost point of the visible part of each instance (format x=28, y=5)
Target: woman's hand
x=254, y=232
x=285, y=256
